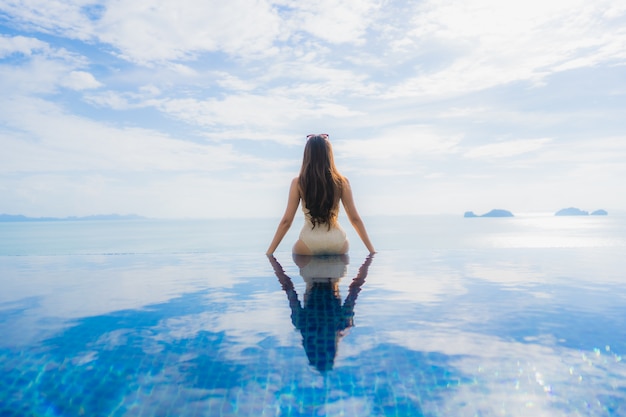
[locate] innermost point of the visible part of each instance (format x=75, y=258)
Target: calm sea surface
x=519, y=316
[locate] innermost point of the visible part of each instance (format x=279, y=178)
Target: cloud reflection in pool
x=513, y=332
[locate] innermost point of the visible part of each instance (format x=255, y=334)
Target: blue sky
x=196, y=108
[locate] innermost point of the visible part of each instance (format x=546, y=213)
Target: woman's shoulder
x=345, y=187
x=295, y=184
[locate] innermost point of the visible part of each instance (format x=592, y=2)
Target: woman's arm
x=353, y=215
x=290, y=212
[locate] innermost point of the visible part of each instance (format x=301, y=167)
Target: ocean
x=452, y=316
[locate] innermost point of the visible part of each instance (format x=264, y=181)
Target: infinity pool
x=434, y=333
x=470, y=331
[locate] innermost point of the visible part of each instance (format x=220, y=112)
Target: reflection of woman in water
x=320, y=186
x=323, y=319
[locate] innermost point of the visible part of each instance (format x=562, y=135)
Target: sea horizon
x=7, y=217
x=252, y=235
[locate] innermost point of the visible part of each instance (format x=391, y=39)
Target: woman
x=320, y=187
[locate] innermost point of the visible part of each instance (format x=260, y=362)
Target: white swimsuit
x=322, y=241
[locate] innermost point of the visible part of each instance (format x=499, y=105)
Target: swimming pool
x=443, y=330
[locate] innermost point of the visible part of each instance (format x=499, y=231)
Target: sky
x=200, y=108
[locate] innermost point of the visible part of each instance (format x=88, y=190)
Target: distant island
x=492, y=213
x=22, y=218
x=573, y=211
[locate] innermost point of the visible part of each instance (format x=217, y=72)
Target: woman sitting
x=321, y=187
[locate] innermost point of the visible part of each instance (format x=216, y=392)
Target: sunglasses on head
x=322, y=135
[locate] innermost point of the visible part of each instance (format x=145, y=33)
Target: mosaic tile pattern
x=420, y=334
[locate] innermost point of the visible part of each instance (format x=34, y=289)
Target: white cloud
x=335, y=22
x=508, y=148
x=63, y=142
x=267, y=113
x=80, y=80
x=317, y=80
x=40, y=67
x=56, y=163
x=231, y=82
x=66, y=17
x=146, y=31
x=493, y=43
x=399, y=143
x=10, y=45
x=145, y=96
x=154, y=82
x=167, y=194
x=603, y=152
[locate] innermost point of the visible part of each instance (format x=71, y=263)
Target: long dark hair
x=320, y=182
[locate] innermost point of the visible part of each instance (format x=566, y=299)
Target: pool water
x=438, y=328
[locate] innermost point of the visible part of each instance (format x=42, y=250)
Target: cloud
x=491, y=43
x=22, y=45
x=415, y=95
x=605, y=153
x=80, y=80
x=239, y=110
x=144, y=31
x=508, y=148
x=50, y=16
x=32, y=66
x=235, y=116
x=399, y=143
x=147, y=32
x=336, y=22
x=63, y=142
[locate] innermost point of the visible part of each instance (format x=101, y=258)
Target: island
x=571, y=211
x=600, y=212
x=492, y=213
x=22, y=218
